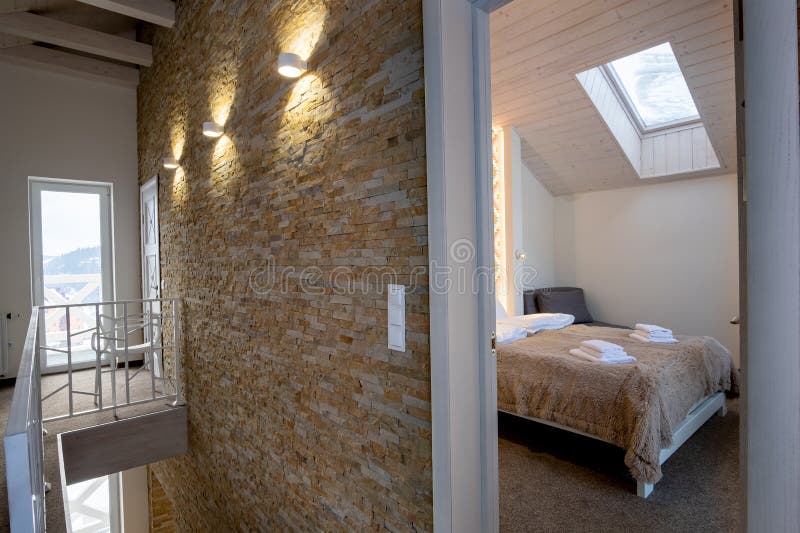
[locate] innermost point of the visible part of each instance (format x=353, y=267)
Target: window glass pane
x=71, y=264
x=90, y=505
x=655, y=86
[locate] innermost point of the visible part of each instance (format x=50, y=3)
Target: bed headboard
x=573, y=302
x=529, y=302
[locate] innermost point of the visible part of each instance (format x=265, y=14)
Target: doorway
x=151, y=265
x=616, y=133
x=458, y=122
x=71, y=263
x=94, y=504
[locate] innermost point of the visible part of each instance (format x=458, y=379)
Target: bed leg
x=643, y=490
x=722, y=411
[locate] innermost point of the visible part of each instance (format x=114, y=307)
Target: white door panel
x=151, y=269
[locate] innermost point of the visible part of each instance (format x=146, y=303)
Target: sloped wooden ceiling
x=537, y=47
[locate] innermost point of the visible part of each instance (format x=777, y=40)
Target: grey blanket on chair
x=634, y=406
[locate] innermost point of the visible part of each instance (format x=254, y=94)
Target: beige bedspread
x=635, y=405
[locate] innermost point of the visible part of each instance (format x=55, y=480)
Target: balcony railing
x=120, y=332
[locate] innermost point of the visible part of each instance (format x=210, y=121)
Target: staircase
x=110, y=417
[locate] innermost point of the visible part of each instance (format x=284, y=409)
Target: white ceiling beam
x=39, y=28
x=30, y=55
x=161, y=12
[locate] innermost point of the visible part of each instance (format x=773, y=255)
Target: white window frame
x=36, y=185
x=624, y=98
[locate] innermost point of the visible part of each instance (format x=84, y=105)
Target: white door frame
x=770, y=430
x=457, y=107
x=458, y=123
x=106, y=191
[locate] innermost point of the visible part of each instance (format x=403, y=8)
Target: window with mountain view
x=70, y=249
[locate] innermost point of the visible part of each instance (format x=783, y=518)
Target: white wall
x=134, y=504
x=514, y=225
x=59, y=127
x=661, y=253
x=538, y=233
x=529, y=215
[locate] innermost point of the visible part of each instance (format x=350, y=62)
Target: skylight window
x=654, y=88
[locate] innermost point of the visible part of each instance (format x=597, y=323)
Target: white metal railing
x=120, y=330
x=113, y=341
x=23, y=442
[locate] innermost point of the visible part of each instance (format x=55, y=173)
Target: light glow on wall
x=178, y=186
x=222, y=96
x=308, y=92
x=223, y=87
x=304, y=30
x=307, y=100
x=178, y=142
x=499, y=218
x=223, y=150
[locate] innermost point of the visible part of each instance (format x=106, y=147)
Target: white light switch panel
x=396, y=317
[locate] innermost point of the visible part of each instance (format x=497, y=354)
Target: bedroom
x=614, y=174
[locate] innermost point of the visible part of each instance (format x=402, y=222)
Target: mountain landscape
x=78, y=261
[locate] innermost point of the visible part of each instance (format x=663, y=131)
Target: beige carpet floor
x=556, y=481
x=57, y=405
x=550, y=480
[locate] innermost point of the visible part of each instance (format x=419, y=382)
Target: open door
x=741, y=320
x=151, y=267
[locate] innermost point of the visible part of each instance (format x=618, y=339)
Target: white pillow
x=538, y=321
x=507, y=333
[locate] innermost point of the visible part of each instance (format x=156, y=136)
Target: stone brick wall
x=161, y=514
x=300, y=417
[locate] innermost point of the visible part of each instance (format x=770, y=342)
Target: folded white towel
x=652, y=328
x=604, y=347
x=642, y=338
x=599, y=355
x=654, y=336
x=607, y=360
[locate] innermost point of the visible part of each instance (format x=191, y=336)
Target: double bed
x=649, y=407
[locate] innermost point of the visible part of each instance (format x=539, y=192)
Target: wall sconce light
x=520, y=255
x=212, y=129
x=171, y=163
x=291, y=65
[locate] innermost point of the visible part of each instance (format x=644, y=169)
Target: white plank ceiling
x=537, y=48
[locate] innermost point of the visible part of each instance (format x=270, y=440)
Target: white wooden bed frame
x=699, y=415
